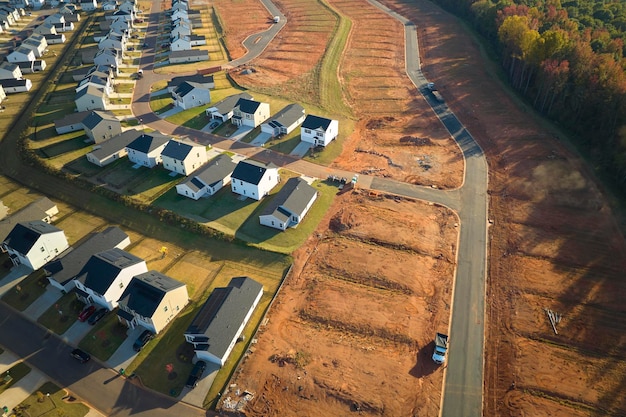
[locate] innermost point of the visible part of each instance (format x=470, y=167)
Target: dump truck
x=441, y=348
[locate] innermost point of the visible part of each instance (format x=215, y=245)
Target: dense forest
x=567, y=59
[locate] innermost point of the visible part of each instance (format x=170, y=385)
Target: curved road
x=463, y=387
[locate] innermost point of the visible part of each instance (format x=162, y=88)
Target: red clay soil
x=240, y=19
x=555, y=244
x=351, y=329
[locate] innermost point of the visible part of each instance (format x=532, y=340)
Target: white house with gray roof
x=183, y=157
x=190, y=94
x=146, y=149
x=285, y=121
x=289, y=206
x=112, y=149
x=151, y=300
x=207, y=81
x=34, y=243
x=224, y=110
x=250, y=113
x=106, y=275
x=62, y=271
x=21, y=54
x=215, y=329
x=9, y=71
x=254, y=179
x=319, y=131
x=71, y=122
x=193, y=55
x=208, y=179
x=91, y=98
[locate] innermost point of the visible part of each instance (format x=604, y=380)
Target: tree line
x=567, y=60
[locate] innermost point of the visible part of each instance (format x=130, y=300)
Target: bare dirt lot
x=352, y=327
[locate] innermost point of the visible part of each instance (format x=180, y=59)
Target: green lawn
x=104, y=339
x=161, y=103
x=17, y=372
x=40, y=404
x=62, y=315
x=26, y=292
x=186, y=116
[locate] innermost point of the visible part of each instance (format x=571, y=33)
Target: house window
x=110, y=127
x=281, y=225
x=121, y=285
x=93, y=102
x=43, y=249
x=307, y=131
x=165, y=308
x=272, y=222
x=240, y=182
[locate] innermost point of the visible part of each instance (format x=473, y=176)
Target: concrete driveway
x=261, y=139
x=240, y=133
x=196, y=396
x=171, y=112
x=17, y=274
x=125, y=354
x=301, y=149
x=43, y=303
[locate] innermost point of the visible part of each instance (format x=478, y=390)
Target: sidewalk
x=17, y=274
x=22, y=388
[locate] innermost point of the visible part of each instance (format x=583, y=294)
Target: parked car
x=196, y=374
x=95, y=317
x=80, y=355
x=131, y=48
x=142, y=340
x=86, y=313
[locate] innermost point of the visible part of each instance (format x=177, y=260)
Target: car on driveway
x=86, y=313
x=142, y=340
x=95, y=317
x=80, y=355
x=196, y=374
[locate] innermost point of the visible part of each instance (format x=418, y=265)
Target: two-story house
x=208, y=179
x=189, y=94
x=183, y=157
x=146, y=150
x=254, y=179
x=34, y=243
x=289, y=206
x=250, y=113
x=101, y=125
x=319, y=131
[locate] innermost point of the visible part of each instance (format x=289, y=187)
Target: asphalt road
x=101, y=387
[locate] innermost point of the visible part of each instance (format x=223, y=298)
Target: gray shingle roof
x=189, y=53
x=287, y=115
x=247, y=106
x=210, y=173
x=291, y=199
x=222, y=314
x=316, y=122
x=197, y=78
x=251, y=171
x=65, y=269
x=146, y=291
x=34, y=211
x=98, y=116
x=24, y=235
x=115, y=144
x=13, y=83
x=103, y=268
x=148, y=142
x=177, y=150
x=228, y=104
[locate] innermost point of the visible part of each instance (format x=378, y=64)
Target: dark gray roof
x=66, y=268
x=185, y=88
x=98, y=81
x=103, y=268
x=228, y=104
x=146, y=291
x=177, y=150
x=53, y=37
x=291, y=199
x=247, y=106
x=34, y=211
x=115, y=144
x=287, y=116
x=13, y=83
x=25, y=65
x=97, y=116
x=189, y=53
x=197, y=78
x=251, y=171
x=148, y=142
x=90, y=89
x=316, y=122
x=72, y=118
x=222, y=314
x=24, y=235
x=210, y=173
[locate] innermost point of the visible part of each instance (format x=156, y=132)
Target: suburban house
x=254, y=179
x=64, y=27
x=318, y=131
x=197, y=40
x=179, y=14
x=21, y=54
x=101, y=125
x=224, y=109
x=206, y=81
x=91, y=98
x=46, y=28
x=27, y=67
x=3, y=95
x=34, y=243
x=215, y=329
x=208, y=179
x=250, y=113
x=16, y=86
x=102, y=71
x=181, y=43
x=39, y=65
x=183, y=157
x=128, y=6
x=88, y=5
x=68, y=9
x=96, y=81
x=112, y=149
x=194, y=55
x=41, y=209
x=112, y=40
x=55, y=39
x=151, y=300
x=56, y=18
x=37, y=43
x=285, y=121
x=110, y=57
x=9, y=71
x=61, y=271
x=147, y=148
x=120, y=26
x=109, y=6
x=106, y=275
x=290, y=205
x=72, y=122
x=190, y=94
x=182, y=28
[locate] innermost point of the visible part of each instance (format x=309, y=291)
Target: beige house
x=101, y=125
x=151, y=300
